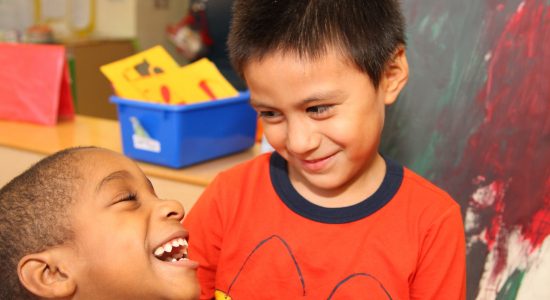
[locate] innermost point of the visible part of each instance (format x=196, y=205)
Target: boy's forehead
x=101, y=168
x=97, y=154
x=280, y=65
x=98, y=163
x=123, y=175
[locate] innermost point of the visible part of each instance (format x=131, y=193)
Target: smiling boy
x=85, y=223
x=325, y=216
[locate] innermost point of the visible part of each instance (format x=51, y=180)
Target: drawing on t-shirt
x=283, y=267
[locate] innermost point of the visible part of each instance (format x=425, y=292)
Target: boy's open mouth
x=172, y=251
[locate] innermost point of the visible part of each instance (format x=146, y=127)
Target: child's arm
x=441, y=273
x=204, y=225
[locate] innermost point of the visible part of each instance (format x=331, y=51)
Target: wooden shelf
x=91, y=131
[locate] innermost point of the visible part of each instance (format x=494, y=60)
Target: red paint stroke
x=538, y=228
x=512, y=145
x=165, y=92
x=492, y=234
x=516, y=99
x=204, y=86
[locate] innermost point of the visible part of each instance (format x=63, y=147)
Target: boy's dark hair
x=366, y=31
x=34, y=214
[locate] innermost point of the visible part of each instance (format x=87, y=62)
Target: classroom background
x=474, y=117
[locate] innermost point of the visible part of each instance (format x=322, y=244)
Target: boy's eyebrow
x=253, y=102
x=122, y=174
x=323, y=95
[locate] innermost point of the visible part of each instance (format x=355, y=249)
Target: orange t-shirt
x=256, y=238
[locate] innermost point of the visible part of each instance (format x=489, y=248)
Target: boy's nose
x=171, y=209
x=301, y=138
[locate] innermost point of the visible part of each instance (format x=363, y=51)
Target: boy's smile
x=128, y=244
x=172, y=251
x=316, y=165
x=325, y=117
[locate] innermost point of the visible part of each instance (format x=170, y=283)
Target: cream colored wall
x=152, y=21
x=116, y=18
x=15, y=161
x=151, y=24
x=144, y=20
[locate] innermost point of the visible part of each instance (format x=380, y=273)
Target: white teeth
x=169, y=246
x=174, y=260
x=159, y=251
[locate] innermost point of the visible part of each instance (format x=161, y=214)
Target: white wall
x=116, y=18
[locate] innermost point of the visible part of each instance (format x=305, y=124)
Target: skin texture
x=325, y=117
x=118, y=222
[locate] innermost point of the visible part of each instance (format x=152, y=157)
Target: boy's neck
x=355, y=191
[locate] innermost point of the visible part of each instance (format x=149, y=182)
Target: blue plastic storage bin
x=181, y=135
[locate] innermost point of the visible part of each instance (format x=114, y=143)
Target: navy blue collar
x=293, y=200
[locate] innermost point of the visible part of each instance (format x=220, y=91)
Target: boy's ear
x=45, y=275
x=395, y=76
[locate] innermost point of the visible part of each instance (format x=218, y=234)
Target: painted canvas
x=475, y=119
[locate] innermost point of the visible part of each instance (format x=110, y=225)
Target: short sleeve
x=441, y=272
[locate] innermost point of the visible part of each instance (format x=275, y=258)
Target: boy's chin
x=178, y=283
x=188, y=291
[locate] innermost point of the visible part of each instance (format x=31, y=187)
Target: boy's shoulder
x=423, y=190
x=248, y=170
x=256, y=164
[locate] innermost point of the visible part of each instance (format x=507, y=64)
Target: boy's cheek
x=274, y=134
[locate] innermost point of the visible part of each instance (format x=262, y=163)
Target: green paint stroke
x=511, y=287
x=423, y=24
x=437, y=26
x=424, y=163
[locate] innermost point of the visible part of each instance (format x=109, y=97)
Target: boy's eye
x=319, y=110
x=127, y=197
x=269, y=115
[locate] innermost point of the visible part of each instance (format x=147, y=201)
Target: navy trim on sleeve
x=293, y=200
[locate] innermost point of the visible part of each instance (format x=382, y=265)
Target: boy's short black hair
x=366, y=31
x=34, y=209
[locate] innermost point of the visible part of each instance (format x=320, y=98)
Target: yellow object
x=195, y=82
x=219, y=295
x=123, y=73
x=153, y=76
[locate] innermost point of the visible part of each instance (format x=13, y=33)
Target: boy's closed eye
x=127, y=197
x=126, y=200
